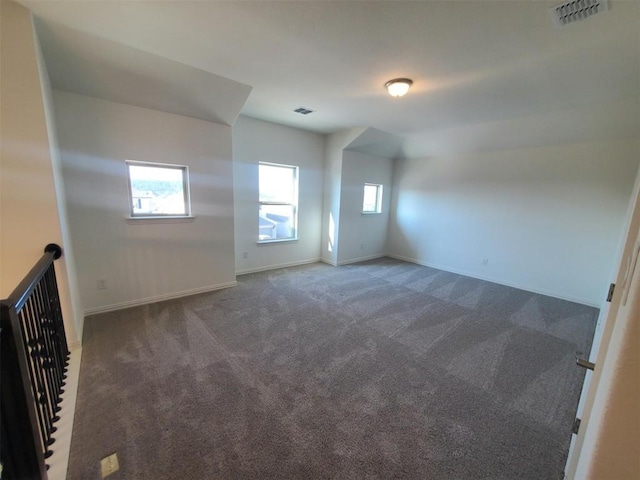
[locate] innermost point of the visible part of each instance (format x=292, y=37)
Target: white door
x=627, y=260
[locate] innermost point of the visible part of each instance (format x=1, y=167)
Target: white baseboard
x=495, y=280
x=59, y=461
x=279, y=265
x=362, y=259
x=158, y=298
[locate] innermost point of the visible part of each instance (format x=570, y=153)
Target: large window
x=278, y=215
x=372, y=199
x=158, y=190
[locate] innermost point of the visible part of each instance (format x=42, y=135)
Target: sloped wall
x=143, y=261
x=335, y=144
x=354, y=157
x=363, y=236
x=29, y=206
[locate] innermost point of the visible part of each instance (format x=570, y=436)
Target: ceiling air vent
x=570, y=12
x=303, y=110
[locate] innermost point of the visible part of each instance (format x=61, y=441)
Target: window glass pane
x=276, y=222
x=278, y=195
x=277, y=184
x=372, y=198
x=157, y=190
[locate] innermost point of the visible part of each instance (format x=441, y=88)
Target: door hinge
x=576, y=426
x=612, y=287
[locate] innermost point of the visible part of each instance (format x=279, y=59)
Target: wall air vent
x=575, y=10
x=303, y=111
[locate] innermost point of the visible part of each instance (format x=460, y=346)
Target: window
x=158, y=190
x=278, y=215
x=372, y=201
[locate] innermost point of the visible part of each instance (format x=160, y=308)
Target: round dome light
x=398, y=86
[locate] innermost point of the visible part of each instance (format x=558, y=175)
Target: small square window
x=158, y=190
x=372, y=200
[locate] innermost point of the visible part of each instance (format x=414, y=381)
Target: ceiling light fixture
x=398, y=87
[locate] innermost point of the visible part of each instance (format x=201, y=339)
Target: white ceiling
x=89, y=65
x=488, y=75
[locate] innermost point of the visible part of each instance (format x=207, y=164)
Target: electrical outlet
x=485, y=262
x=362, y=246
x=109, y=465
x=102, y=284
x=245, y=255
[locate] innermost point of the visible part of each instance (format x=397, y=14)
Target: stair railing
x=34, y=362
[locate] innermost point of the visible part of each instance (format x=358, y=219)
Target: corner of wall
x=68, y=283
x=28, y=158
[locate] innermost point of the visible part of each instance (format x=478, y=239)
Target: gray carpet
x=382, y=369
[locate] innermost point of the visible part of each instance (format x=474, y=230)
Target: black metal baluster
x=59, y=323
x=50, y=392
x=26, y=315
x=58, y=355
x=35, y=358
x=56, y=361
x=22, y=451
x=31, y=345
x=48, y=358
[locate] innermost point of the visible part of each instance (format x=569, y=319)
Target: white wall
x=363, y=236
x=331, y=207
x=28, y=200
x=335, y=144
x=143, y=261
x=257, y=141
x=67, y=264
x=546, y=219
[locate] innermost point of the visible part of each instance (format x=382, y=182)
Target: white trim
x=361, y=259
x=185, y=185
x=378, y=209
x=498, y=281
x=295, y=200
x=280, y=265
x=611, y=343
x=158, y=298
x=277, y=240
x=59, y=461
x=329, y=262
x=144, y=163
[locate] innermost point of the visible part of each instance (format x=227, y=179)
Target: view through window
x=158, y=189
x=372, y=199
x=278, y=215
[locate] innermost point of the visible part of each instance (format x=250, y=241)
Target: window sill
x=158, y=219
x=371, y=213
x=280, y=240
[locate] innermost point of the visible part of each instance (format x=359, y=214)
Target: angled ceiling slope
x=487, y=75
x=377, y=143
x=88, y=65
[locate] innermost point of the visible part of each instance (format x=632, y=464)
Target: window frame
x=185, y=191
x=378, y=206
x=296, y=183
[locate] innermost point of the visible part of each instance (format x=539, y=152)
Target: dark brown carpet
x=382, y=369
